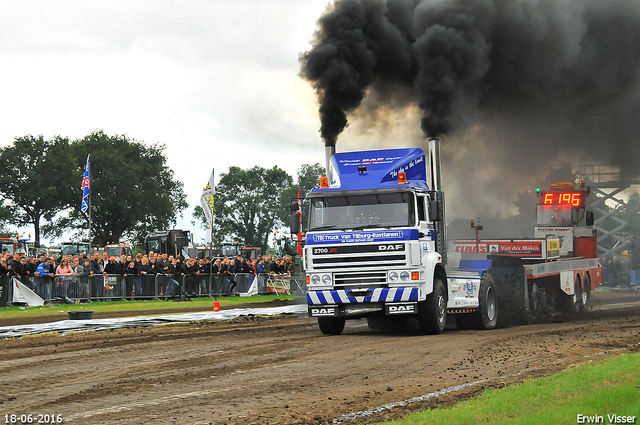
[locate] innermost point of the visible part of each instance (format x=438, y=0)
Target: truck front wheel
x=432, y=312
x=331, y=325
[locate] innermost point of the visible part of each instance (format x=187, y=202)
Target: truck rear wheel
x=486, y=316
x=432, y=312
x=331, y=325
x=488, y=303
x=570, y=305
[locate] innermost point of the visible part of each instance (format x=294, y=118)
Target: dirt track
x=284, y=371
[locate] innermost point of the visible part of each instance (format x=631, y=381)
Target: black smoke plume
x=556, y=72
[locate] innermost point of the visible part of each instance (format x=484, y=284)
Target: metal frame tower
x=609, y=182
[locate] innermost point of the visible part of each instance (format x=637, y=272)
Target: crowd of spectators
x=22, y=267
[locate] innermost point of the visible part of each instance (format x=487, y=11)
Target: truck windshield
x=69, y=249
x=153, y=245
x=6, y=247
x=114, y=251
x=229, y=250
x=362, y=211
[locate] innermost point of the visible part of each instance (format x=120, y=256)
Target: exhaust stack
x=329, y=150
x=435, y=178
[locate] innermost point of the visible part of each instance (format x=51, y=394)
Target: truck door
x=423, y=223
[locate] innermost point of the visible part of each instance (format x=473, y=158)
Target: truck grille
x=359, y=266
x=360, y=280
x=358, y=262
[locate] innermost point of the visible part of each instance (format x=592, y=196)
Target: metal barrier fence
x=117, y=287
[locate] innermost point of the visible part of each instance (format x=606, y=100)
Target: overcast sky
x=215, y=81
x=218, y=83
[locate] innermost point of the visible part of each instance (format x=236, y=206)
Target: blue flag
x=85, y=188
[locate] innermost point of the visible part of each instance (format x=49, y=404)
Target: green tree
x=5, y=216
x=36, y=177
x=249, y=204
x=133, y=192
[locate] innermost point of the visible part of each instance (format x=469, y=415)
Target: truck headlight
x=404, y=276
x=326, y=279
x=393, y=276
x=315, y=279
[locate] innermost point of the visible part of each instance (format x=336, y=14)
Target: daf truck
x=376, y=248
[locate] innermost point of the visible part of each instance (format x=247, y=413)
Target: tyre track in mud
x=283, y=370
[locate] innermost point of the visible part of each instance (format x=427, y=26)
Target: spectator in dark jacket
x=5, y=271
x=204, y=266
x=21, y=269
x=96, y=264
x=87, y=267
x=121, y=266
x=216, y=267
x=146, y=267
x=32, y=265
x=238, y=265
x=111, y=266
x=130, y=269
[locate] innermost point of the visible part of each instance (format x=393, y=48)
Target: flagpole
x=89, y=203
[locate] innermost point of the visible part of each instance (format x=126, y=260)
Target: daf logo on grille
x=396, y=247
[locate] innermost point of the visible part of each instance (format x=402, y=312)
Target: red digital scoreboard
x=573, y=199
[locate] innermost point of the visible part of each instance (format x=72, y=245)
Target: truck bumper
x=363, y=302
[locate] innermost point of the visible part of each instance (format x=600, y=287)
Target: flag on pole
x=299, y=242
x=85, y=188
x=206, y=202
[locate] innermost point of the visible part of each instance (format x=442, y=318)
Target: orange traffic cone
x=216, y=305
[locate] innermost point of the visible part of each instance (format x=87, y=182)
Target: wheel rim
x=491, y=303
x=585, y=297
x=442, y=306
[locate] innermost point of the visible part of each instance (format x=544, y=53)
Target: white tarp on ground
x=65, y=326
x=22, y=294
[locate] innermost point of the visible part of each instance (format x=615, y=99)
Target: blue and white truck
x=376, y=247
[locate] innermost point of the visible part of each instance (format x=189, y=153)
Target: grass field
x=137, y=307
x=596, y=390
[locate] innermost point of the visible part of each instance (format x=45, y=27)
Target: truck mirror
x=589, y=218
x=294, y=223
x=434, y=210
x=293, y=206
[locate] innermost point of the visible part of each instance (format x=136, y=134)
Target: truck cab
x=375, y=242
x=173, y=242
x=8, y=243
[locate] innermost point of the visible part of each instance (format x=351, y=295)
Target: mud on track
x=284, y=371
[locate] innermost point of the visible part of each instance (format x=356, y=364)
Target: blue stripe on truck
x=379, y=295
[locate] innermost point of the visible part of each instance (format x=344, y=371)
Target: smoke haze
x=511, y=86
